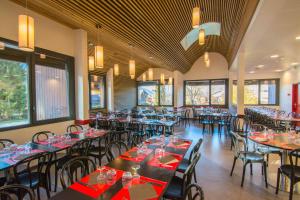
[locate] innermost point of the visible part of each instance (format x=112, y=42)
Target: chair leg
x=291, y=189
x=244, y=171
x=234, y=161
x=251, y=169
x=195, y=176
x=55, y=177
x=266, y=176
x=278, y=179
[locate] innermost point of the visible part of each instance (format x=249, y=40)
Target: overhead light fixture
x=278, y=70
x=42, y=56
x=274, y=56
x=170, y=81
x=207, y=63
x=252, y=72
x=150, y=74
x=201, y=36
x=259, y=66
x=206, y=56
x=116, y=70
x=298, y=37
x=26, y=32
x=91, y=63
x=99, y=54
x=196, y=17
x=2, y=46
x=144, y=77
x=294, y=63
x=132, y=68
x=162, y=78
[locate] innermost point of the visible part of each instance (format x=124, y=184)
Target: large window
x=34, y=90
x=152, y=93
x=206, y=92
x=97, y=92
x=258, y=92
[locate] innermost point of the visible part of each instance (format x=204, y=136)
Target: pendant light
x=144, y=77
x=162, y=78
x=170, y=81
x=150, y=74
x=99, y=55
x=91, y=63
x=26, y=32
x=116, y=70
x=2, y=46
x=201, y=37
x=196, y=17
x=131, y=64
x=206, y=56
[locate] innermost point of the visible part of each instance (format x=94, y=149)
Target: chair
x=224, y=121
x=16, y=191
x=41, y=136
x=247, y=157
x=240, y=125
x=117, y=129
x=70, y=170
x=193, y=191
x=292, y=171
x=115, y=149
x=102, y=124
x=176, y=188
x=5, y=142
x=99, y=148
x=33, y=172
x=74, y=128
x=186, y=162
x=206, y=120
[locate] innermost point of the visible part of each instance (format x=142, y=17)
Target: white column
x=81, y=75
x=240, y=83
x=110, y=89
x=178, y=89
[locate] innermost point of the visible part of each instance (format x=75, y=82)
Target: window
x=14, y=93
x=258, y=92
x=206, y=92
x=35, y=91
x=97, y=92
x=152, y=93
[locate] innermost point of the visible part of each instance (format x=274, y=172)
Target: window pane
x=268, y=92
x=197, y=93
x=234, y=93
x=148, y=94
x=166, y=95
x=52, y=99
x=218, y=92
x=97, y=92
x=14, y=103
x=251, y=92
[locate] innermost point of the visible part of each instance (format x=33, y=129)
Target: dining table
x=286, y=142
x=154, y=175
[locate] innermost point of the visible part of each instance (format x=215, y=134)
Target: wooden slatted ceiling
x=154, y=27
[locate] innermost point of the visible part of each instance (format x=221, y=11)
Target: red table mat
x=158, y=186
x=186, y=144
x=95, y=191
x=139, y=158
x=156, y=163
x=63, y=144
x=95, y=133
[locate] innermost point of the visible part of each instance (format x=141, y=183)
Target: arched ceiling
x=154, y=27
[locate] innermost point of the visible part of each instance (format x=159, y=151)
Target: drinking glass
x=135, y=168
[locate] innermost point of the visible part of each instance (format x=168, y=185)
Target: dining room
x=150, y=99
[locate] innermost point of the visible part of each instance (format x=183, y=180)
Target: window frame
x=105, y=92
x=158, y=83
x=277, y=96
x=209, y=92
x=11, y=52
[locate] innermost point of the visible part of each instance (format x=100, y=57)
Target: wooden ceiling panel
x=154, y=27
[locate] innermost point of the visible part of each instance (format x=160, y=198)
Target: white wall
x=48, y=35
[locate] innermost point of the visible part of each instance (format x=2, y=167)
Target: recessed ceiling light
x=278, y=70
x=298, y=37
x=260, y=66
x=274, y=56
x=251, y=72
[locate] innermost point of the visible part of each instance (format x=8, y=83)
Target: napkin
x=142, y=192
x=168, y=159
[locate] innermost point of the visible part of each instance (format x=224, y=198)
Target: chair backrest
x=187, y=176
x=195, y=150
x=74, y=128
x=239, y=144
x=240, y=124
x=115, y=124
x=31, y=166
x=193, y=192
x=257, y=127
x=102, y=124
x=115, y=149
x=12, y=192
x=80, y=148
x=135, y=126
x=295, y=152
x=41, y=136
x=74, y=169
x=5, y=143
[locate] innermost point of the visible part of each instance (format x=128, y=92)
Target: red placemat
x=185, y=145
x=156, y=163
x=158, y=186
x=63, y=144
x=95, y=191
x=13, y=159
x=95, y=133
x=139, y=158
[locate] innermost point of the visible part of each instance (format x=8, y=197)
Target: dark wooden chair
x=41, y=136
x=74, y=128
x=115, y=149
x=193, y=192
x=16, y=191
